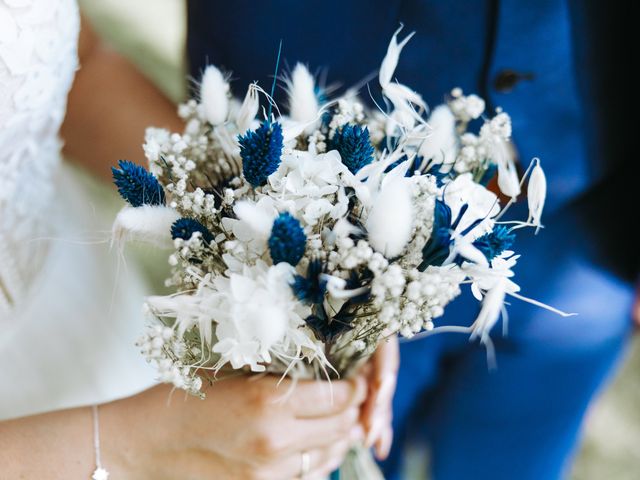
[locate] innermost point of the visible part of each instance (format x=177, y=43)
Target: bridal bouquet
x=302, y=240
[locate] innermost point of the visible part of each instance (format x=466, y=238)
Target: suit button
x=507, y=79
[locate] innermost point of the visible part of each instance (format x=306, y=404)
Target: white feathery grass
x=390, y=221
x=148, y=223
x=303, y=102
x=214, y=95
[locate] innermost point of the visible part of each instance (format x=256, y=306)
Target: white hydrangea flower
x=255, y=313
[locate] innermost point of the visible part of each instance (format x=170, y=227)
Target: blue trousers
x=521, y=420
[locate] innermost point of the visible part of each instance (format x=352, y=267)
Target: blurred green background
x=152, y=32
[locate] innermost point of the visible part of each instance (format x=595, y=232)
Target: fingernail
x=373, y=434
x=383, y=446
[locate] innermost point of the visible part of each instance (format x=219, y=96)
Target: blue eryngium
x=287, y=241
x=310, y=289
x=494, y=243
x=354, y=146
x=185, y=228
x=436, y=250
x=136, y=185
x=261, y=150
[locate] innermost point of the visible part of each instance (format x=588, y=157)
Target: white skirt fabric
x=72, y=342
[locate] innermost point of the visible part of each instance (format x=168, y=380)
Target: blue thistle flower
x=287, y=241
x=261, y=151
x=494, y=243
x=354, y=146
x=136, y=185
x=416, y=164
x=186, y=227
x=310, y=289
x=436, y=250
x=327, y=329
x=359, y=279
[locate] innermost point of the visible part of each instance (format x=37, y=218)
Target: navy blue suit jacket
x=551, y=64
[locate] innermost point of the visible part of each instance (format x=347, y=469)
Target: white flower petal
x=248, y=110
x=536, y=194
x=390, y=61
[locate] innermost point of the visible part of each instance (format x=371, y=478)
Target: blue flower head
x=494, y=243
x=436, y=250
x=261, y=150
x=185, y=228
x=354, y=146
x=310, y=289
x=136, y=185
x=287, y=241
x=326, y=329
x=416, y=165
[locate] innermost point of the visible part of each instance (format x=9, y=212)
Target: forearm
x=56, y=445
x=110, y=106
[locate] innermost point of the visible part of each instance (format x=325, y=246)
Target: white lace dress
x=66, y=336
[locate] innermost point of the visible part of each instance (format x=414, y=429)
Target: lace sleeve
x=38, y=58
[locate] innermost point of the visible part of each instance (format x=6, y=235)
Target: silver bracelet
x=99, y=473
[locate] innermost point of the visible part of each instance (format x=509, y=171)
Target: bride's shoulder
x=38, y=41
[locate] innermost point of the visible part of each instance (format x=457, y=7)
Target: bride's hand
x=246, y=428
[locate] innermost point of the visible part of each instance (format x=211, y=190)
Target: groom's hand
x=377, y=411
